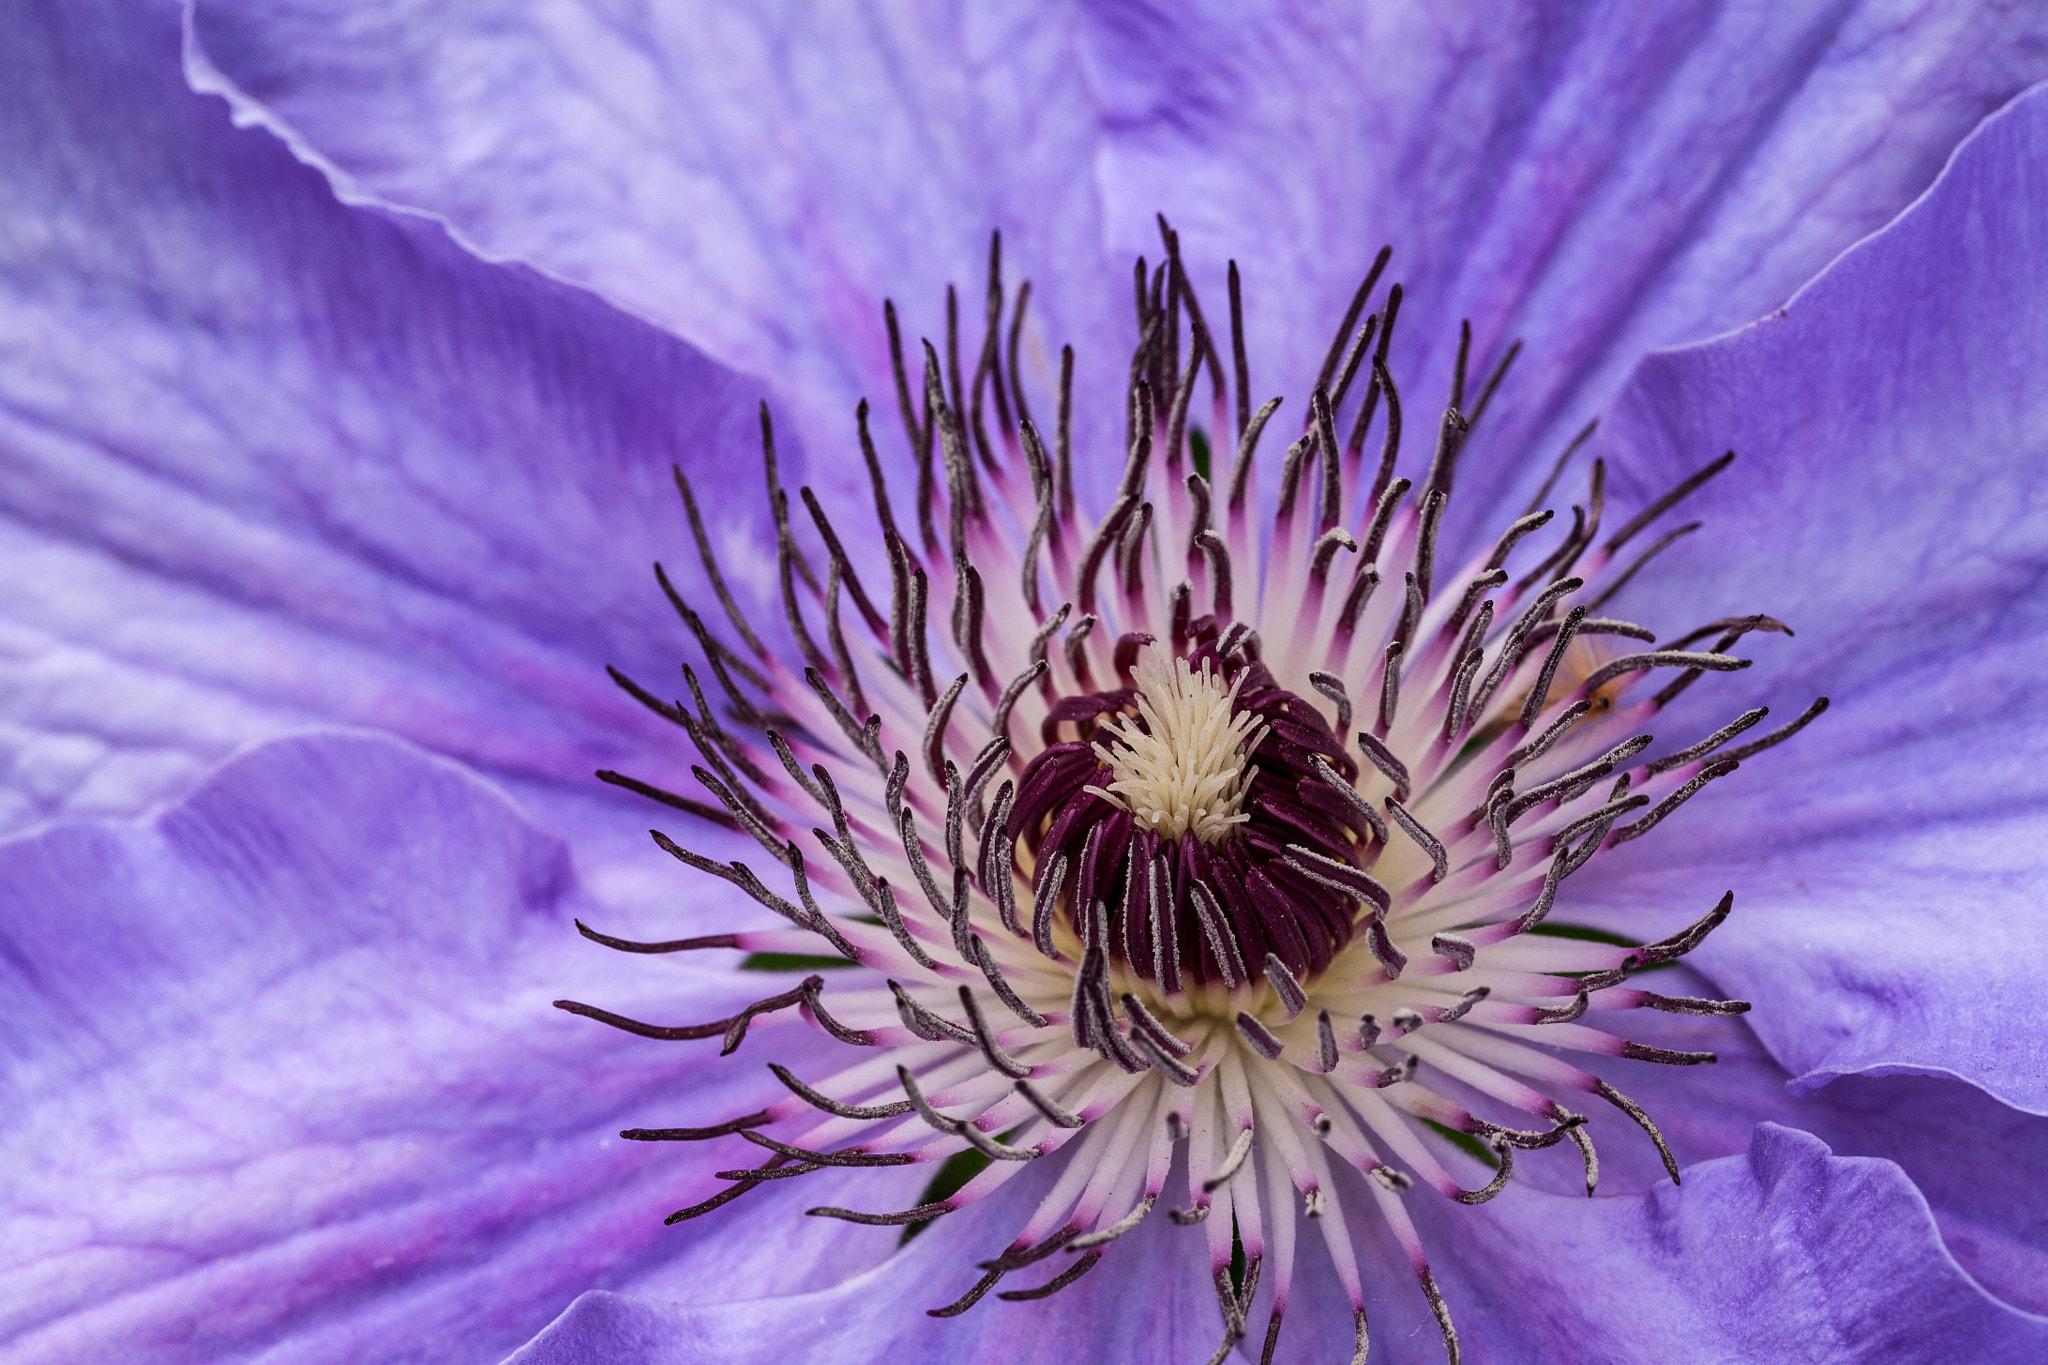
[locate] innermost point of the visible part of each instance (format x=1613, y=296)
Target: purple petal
x=759, y=178
x=1148, y=1299
x=1785, y=1253
x=1889, y=503
x=283, y=1076
x=269, y=461
x=1596, y=180
x=1967, y=1154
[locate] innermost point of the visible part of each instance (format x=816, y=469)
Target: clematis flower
x=282, y=1078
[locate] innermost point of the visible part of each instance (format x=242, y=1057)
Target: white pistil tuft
x=1188, y=767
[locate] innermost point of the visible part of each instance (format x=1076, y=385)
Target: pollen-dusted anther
x=1128, y=812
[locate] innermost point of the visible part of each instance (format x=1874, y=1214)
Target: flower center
x=1188, y=829
x=1275, y=901
x=1181, y=765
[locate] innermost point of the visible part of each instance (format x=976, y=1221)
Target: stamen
x=1439, y=859
x=1621, y=580
x=963, y=1128
x=1043, y=903
x=710, y=562
x=1443, y=1313
x=1358, y=301
x=1332, y=686
x=1643, y=1052
x=1241, y=368
x=1000, y=985
x=680, y=945
x=1382, y=947
x=1459, y=949
x=1425, y=547
x=1506, y=1156
x=924, y=1023
x=1326, y=1040
x=1239, y=1150
x=1390, y=451
x=1259, y=1036
x=1662, y=658
x=892, y=919
x=1222, y=943
x=1539, y=695
x=1664, y=504
x=1054, y=1114
x=716, y=1130
x=1720, y=767
x=668, y=798
x=1493, y=382
x=969, y=1299
x=1780, y=735
x=1464, y=1005
x=839, y=1108
x=732, y=1030
x=1644, y=1121
x=923, y=1213
x=1247, y=446
x=1057, y=1283
x=1285, y=986
x=997, y=1058
x=814, y=1006
x=726, y=1196
x=1710, y=743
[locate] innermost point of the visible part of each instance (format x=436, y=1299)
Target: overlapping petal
x=283, y=1083
x=269, y=461
x=756, y=177
x=1598, y=179
x=272, y=461
x=1785, y=1253
x=1150, y=1302
x=1888, y=501
x=1964, y=1151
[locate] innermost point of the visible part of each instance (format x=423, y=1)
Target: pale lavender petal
x=1596, y=179
x=1888, y=501
x=283, y=1081
x=758, y=178
x=267, y=461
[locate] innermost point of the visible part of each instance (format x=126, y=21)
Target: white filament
x=1188, y=767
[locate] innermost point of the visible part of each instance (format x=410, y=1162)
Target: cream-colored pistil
x=1188, y=767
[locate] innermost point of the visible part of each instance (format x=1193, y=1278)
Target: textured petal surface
x=1891, y=504
x=1965, y=1152
x=1599, y=179
x=268, y=461
x=282, y=1082
x=1149, y=1299
x=756, y=177
x=1596, y=178
x=1786, y=1252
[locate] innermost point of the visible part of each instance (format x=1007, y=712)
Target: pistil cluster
x=1190, y=860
